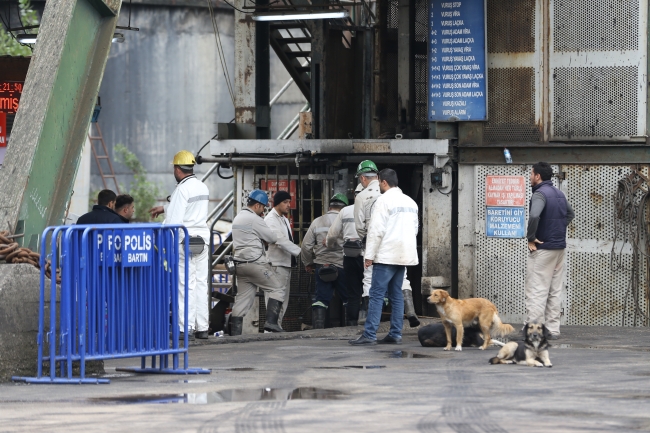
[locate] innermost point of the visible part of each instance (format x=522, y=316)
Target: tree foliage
x=9, y=46
x=144, y=192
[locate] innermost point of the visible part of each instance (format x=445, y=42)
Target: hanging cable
x=222, y=176
x=238, y=10
x=222, y=56
x=631, y=226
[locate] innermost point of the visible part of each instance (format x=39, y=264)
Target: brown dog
x=460, y=313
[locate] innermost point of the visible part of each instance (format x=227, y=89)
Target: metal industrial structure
x=567, y=82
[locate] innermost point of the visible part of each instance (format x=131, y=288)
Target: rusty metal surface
x=511, y=26
x=511, y=106
x=595, y=102
x=529, y=153
x=244, y=85
x=597, y=294
x=470, y=133
x=342, y=146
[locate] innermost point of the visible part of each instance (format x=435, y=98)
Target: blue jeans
x=325, y=289
x=386, y=282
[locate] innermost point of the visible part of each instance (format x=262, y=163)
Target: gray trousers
x=250, y=276
x=545, y=275
x=283, y=275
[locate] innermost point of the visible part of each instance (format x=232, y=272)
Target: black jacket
x=100, y=215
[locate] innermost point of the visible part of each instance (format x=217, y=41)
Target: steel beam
x=50, y=129
x=406, y=63
x=245, y=72
x=556, y=153
x=370, y=146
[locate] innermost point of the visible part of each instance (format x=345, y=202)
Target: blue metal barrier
x=118, y=299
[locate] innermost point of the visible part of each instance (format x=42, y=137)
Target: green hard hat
x=366, y=166
x=340, y=197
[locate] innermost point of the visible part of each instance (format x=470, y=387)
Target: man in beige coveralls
x=549, y=215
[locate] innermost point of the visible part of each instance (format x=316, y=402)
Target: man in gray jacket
x=283, y=253
x=249, y=233
x=328, y=262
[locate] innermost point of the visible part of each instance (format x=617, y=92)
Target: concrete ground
x=315, y=381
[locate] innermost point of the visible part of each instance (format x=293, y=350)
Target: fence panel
x=118, y=299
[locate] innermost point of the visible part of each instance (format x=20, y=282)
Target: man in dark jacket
x=103, y=212
x=125, y=207
x=549, y=215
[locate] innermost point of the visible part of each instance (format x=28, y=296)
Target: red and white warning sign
x=505, y=191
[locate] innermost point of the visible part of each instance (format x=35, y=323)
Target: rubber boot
x=236, y=325
x=409, y=309
x=273, y=309
x=363, y=312
x=318, y=317
x=348, y=322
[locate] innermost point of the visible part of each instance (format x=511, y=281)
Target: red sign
x=3, y=129
x=505, y=191
x=10, y=92
x=271, y=186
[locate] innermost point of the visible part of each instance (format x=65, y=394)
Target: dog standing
x=459, y=313
x=533, y=351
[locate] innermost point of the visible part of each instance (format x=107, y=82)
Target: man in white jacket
x=188, y=205
x=283, y=253
x=391, y=246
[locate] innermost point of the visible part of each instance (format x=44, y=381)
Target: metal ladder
x=291, y=41
x=99, y=157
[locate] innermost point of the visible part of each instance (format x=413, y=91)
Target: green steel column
x=50, y=128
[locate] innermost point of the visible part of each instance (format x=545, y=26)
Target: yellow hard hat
x=184, y=158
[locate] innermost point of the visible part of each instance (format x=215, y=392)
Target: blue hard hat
x=259, y=196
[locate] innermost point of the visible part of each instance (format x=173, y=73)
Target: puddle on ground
x=640, y=373
x=227, y=396
x=346, y=367
x=586, y=346
x=397, y=354
x=630, y=396
x=187, y=381
x=116, y=375
x=237, y=369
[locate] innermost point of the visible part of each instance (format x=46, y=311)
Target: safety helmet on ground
x=340, y=198
x=184, y=158
x=259, y=196
x=366, y=166
x=358, y=189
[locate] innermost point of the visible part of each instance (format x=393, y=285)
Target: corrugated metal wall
x=164, y=90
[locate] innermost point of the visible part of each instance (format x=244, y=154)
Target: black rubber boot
x=318, y=317
x=350, y=320
x=409, y=309
x=363, y=312
x=236, y=324
x=273, y=309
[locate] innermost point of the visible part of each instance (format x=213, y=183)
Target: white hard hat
x=358, y=189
